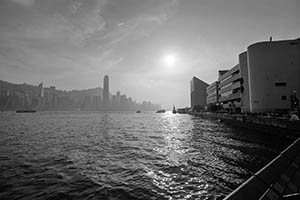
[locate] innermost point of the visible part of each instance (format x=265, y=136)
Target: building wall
x=230, y=88
x=198, y=92
x=245, y=101
x=274, y=73
x=212, y=93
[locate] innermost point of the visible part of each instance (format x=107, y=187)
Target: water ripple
x=81, y=155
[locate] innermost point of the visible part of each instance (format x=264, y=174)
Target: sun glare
x=170, y=59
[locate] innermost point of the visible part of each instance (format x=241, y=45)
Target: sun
x=169, y=60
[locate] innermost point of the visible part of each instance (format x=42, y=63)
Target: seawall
x=266, y=124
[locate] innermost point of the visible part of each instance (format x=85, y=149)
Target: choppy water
x=81, y=155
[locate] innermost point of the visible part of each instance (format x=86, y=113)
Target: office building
x=273, y=75
x=118, y=97
x=198, y=93
x=213, y=93
x=123, y=100
x=230, y=90
x=106, y=91
x=267, y=79
x=40, y=90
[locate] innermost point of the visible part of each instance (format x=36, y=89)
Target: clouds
x=24, y=2
x=66, y=36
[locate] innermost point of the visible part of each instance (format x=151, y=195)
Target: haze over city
x=149, y=48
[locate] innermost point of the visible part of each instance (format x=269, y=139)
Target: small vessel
x=183, y=110
x=138, y=111
x=25, y=111
x=174, y=110
x=161, y=111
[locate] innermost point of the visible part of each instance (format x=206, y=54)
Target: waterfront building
x=86, y=105
x=113, y=101
x=106, y=91
x=40, y=90
x=267, y=79
x=213, y=93
x=230, y=90
x=52, y=96
x=243, y=64
x=198, y=93
x=273, y=74
x=5, y=99
x=123, y=99
x=4, y=92
x=118, y=97
x=96, y=102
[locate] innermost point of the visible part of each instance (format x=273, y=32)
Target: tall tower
x=106, y=91
x=41, y=90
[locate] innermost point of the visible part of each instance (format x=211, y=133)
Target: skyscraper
x=118, y=97
x=40, y=90
x=106, y=91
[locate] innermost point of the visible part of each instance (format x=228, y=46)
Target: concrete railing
x=280, y=179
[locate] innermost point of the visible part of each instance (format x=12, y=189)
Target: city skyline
x=25, y=96
x=152, y=47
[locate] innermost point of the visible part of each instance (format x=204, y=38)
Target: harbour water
x=126, y=155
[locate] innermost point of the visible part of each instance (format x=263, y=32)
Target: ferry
x=25, y=111
x=161, y=111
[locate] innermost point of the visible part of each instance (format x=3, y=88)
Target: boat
x=183, y=110
x=161, y=111
x=174, y=110
x=138, y=111
x=25, y=111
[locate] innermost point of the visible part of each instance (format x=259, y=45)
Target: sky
x=149, y=48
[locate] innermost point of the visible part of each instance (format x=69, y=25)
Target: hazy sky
x=72, y=44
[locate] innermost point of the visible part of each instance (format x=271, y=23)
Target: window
x=293, y=43
x=283, y=97
x=280, y=84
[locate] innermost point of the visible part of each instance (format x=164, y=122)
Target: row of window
x=225, y=79
x=225, y=94
x=225, y=86
x=211, y=90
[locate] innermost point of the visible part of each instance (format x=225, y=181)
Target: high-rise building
x=106, y=91
x=118, y=97
x=213, y=93
x=198, y=93
x=230, y=89
x=40, y=90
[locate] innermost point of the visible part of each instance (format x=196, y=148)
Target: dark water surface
x=81, y=155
